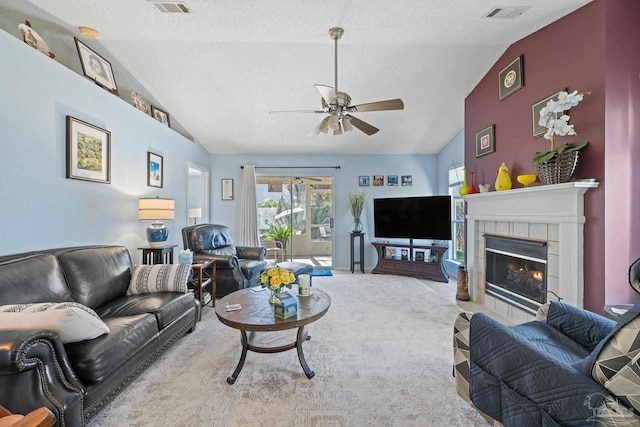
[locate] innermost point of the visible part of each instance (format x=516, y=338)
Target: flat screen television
x=413, y=217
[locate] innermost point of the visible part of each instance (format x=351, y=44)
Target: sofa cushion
x=70, y=320
x=96, y=274
x=32, y=273
x=165, y=306
x=159, y=278
x=96, y=359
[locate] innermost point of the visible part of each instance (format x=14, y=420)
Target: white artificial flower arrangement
x=549, y=115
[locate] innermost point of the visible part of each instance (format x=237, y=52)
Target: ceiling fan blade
x=322, y=127
x=298, y=111
x=328, y=94
x=391, y=104
x=363, y=126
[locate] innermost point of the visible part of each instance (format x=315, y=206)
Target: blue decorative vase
x=157, y=234
x=356, y=226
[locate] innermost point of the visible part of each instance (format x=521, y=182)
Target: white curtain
x=249, y=235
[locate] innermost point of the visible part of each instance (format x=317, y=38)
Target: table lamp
x=156, y=210
x=195, y=213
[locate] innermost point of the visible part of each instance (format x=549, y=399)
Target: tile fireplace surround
x=549, y=213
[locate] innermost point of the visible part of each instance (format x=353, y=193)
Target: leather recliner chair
x=238, y=267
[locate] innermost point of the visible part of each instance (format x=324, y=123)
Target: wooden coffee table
x=257, y=316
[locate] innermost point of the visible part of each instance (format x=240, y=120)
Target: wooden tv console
x=431, y=267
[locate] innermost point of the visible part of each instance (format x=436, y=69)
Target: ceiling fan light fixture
x=333, y=122
x=346, y=125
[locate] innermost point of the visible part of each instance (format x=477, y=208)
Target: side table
x=161, y=255
x=204, y=275
x=361, y=259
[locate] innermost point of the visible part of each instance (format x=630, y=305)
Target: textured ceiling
x=219, y=70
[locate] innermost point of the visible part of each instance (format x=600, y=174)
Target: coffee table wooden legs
x=300, y=338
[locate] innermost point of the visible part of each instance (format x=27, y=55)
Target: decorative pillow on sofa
x=72, y=321
x=148, y=279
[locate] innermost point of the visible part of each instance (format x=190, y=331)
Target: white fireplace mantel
x=551, y=213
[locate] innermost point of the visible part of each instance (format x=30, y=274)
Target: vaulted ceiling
x=221, y=68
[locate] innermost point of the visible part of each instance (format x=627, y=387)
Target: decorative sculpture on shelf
x=503, y=181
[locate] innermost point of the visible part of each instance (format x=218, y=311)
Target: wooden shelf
x=431, y=268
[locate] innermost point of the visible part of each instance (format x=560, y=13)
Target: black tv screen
x=413, y=217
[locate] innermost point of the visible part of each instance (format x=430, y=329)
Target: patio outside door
x=304, y=204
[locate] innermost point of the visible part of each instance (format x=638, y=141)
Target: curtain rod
x=294, y=167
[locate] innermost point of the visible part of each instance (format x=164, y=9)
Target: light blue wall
x=423, y=168
x=39, y=207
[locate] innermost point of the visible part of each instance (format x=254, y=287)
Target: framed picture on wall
x=160, y=116
x=510, y=79
x=538, y=130
x=363, y=180
x=155, y=172
x=392, y=180
x=227, y=189
x=406, y=180
x=484, y=141
x=378, y=180
x=95, y=67
x=88, y=152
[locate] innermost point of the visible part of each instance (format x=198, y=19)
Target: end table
x=161, y=255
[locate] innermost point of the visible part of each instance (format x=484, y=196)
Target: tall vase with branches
x=356, y=206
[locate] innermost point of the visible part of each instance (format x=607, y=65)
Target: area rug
x=382, y=356
x=322, y=272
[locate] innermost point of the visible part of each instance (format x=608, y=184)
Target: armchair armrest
x=582, y=326
x=251, y=252
x=222, y=261
x=36, y=360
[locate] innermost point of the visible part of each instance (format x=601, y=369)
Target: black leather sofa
x=76, y=380
x=238, y=267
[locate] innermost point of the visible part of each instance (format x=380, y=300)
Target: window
x=456, y=247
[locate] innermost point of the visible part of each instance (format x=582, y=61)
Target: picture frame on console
x=155, y=170
x=485, y=143
x=96, y=68
x=88, y=152
x=510, y=79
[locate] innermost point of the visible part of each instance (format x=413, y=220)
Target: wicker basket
x=558, y=169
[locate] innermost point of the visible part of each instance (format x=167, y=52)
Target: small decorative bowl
x=526, y=179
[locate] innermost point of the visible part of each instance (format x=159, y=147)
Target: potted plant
x=356, y=206
x=281, y=233
x=558, y=163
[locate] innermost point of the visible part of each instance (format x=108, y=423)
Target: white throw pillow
x=72, y=321
x=159, y=278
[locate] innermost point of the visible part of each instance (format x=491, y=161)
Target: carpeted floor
x=382, y=357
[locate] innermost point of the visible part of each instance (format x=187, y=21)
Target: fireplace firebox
x=516, y=271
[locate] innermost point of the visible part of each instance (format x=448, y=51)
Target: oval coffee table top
x=257, y=314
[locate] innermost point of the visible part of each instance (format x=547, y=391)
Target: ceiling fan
x=337, y=104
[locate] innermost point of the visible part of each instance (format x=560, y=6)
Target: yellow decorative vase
x=464, y=190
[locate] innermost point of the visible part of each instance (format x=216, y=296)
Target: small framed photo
x=406, y=180
x=404, y=254
x=510, y=79
x=95, y=67
x=537, y=130
x=485, y=141
x=88, y=152
x=390, y=252
x=419, y=255
x=227, y=189
x=160, y=116
x=433, y=256
x=392, y=180
x=363, y=180
x=378, y=180
x=155, y=170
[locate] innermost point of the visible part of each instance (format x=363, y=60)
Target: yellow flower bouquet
x=276, y=279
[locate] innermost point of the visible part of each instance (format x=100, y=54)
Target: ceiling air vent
x=171, y=6
x=506, y=12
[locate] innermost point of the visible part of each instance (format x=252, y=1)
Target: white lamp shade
x=195, y=212
x=156, y=209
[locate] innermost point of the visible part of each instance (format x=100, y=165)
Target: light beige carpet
x=382, y=357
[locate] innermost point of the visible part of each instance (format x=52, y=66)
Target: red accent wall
x=575, y=53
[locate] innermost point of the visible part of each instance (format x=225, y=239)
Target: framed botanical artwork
x=227, y=189
x=406, y=180
x=510, y=79
x=378, y=180
x=160, y=116
x=155, y=170
x=88, y=152
x=95, y=67
x=392, y=180
x=363, y=180
x=485, y=141
x=538, y=130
